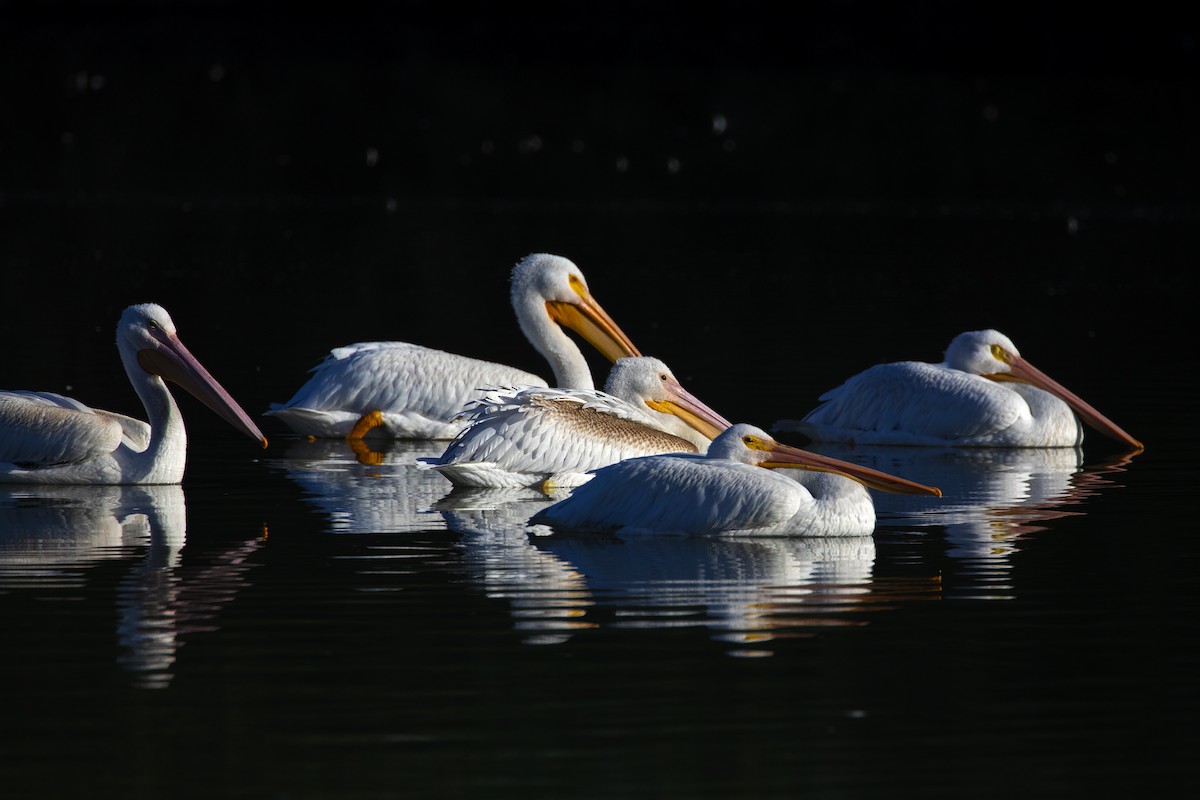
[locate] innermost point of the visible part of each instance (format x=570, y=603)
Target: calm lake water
x=766, y=214
x=295, y=623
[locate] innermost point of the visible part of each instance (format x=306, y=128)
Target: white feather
x=49, y=438
x=525, y=436
x=419, y=391
x=950, y=403
x=723, y=492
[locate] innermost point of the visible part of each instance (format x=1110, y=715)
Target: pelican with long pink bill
x=551, y=438
x=731, y=490
x=48, y=438
x=985, y=394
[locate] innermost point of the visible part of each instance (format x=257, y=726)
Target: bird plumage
x=48, y=438
x=984, y=394
x=526, y=436
x=417, y=389
x=727, y=491
x=416, y=392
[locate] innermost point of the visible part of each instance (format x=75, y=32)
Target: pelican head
x=647, y=380
x=750, y=445
x=976, y=352
x=993, y=355
x=551, y=289
x=146, y=338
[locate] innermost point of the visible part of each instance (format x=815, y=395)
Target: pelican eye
x=662, y=377
x=1000, y=354
x=577, y=285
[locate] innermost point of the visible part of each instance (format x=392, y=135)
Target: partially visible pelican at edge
x=548, y=438
x=983, y=395
x=728, y=491
x=415, y=392
x=48, y=438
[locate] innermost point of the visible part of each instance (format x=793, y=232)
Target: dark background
x=769, y=197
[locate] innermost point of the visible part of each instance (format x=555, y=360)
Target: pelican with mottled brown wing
x=415, y=392
x=48, y=438
x=533, y=436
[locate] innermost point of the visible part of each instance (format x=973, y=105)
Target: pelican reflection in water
x=391, y=494
x=52, y=536
x=992, y=497
x=748, y=591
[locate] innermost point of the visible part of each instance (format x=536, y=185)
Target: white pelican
x=538, y=437
x=415, y=392
x=983, y=395
x=48, y=438
x=727, y=491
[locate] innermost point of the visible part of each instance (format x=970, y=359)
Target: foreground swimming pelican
x=530, y=435
x=727, y=491
x=983, y=395
x=48, y=438
x=415, y=392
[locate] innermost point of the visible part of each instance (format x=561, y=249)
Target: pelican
x=983, y=395
x=538, y=437
x=415, y=392
x=48, y=438
x=727, y=491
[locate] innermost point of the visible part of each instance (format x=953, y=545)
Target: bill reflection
x=51, y=537
x=992, y=499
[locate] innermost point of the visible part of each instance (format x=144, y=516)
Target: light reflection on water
x=388, y=494
x=51, y=536
x=51, y=533
x=748, y=593
x=992, y=498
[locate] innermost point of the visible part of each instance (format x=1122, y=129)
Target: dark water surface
x=304, y=625
x=768, y=211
